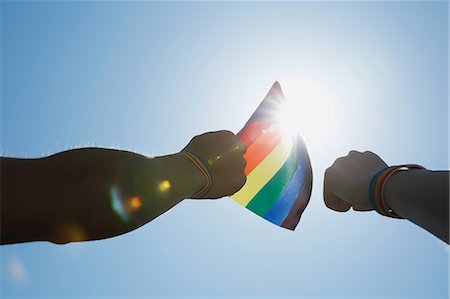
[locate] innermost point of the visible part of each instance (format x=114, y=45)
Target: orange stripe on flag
x=264, y=172
x=262, y=146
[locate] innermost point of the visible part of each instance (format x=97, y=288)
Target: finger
x=239, y=182
x=334, y=202
x=374, y=156
x=228, y=161
x=224, y=138
x=237, y=169
x=243, y=162
x=239, y=147
x=331, y=200
x=338, y=161
x=353, y=153
x=226, y=133
x=241, y=132
x=214, y=159
x=362, y=209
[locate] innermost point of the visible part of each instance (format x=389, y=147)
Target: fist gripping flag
x=279, y=175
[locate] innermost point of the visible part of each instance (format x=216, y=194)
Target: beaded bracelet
x=203, y=169
x=377, y=185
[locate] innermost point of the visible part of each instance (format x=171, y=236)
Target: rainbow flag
x=279, y=175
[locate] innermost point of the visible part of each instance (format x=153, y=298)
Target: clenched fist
x=346, y=182
x=222, y=153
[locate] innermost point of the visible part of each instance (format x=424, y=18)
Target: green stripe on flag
x=268, y=195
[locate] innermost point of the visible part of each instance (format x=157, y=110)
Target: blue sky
x=149, y=76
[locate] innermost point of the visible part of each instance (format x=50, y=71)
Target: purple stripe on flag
x=300, y=204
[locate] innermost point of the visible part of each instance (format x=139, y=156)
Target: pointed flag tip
x=276, y=85
x=275, y=91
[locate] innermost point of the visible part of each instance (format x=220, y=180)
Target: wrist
x=402, y=187
x=378, y=186
x=202, y=168
x=177, y=176
x=191, y=174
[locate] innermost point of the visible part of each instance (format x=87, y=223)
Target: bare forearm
x=94, y=193
x=421, y=196
x=89, y=194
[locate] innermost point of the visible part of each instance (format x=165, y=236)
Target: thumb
x=334, y=202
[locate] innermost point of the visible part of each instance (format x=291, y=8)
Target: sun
x=309, y=111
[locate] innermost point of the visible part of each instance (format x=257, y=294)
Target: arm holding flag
x=95, y=193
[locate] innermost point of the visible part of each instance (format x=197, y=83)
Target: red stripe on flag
x=262, y=147
x=250, y=133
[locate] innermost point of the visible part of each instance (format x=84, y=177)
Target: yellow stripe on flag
x=264, y=172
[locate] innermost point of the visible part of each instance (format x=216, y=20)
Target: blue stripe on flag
x=285, y=202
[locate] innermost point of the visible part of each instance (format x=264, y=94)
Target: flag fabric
x=279, y=174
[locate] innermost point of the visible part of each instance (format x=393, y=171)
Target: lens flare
x=214, y=159
x=17, y=270
x=117, y=204
x=69, y=232
x=124, y=206
x=164, y=186
x=135, y=202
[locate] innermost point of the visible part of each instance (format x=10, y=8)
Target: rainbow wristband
x=202, y=166
x=377, y=185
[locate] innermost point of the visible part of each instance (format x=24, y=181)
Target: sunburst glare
x=308, y=111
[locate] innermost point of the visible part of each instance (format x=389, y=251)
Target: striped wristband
x=377, y=185
x=203, y=169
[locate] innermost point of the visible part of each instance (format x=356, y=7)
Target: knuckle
x=353, y=152
x=205, y=134
x=243, y=179
x=241, y=146
x=371, y=154
x=241, y=182
x=226, y=133
x=327, y=201
x=338, y=161
x=243, y=162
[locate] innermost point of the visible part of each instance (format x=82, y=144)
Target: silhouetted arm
x=94, y=193
x=421, y=196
